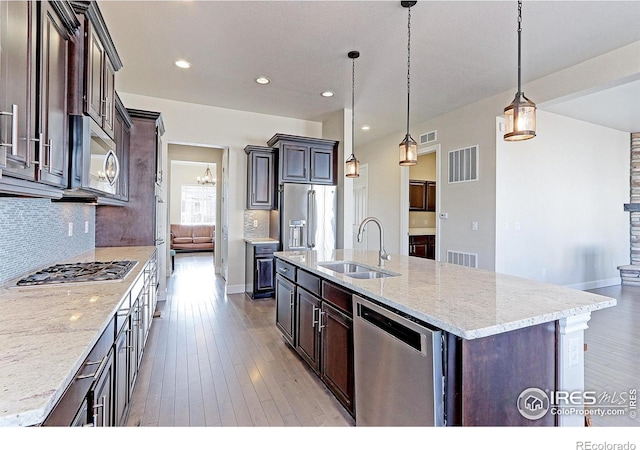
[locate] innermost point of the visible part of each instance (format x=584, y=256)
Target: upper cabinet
x=422, y=195
x=305, y=160
x=34, y=61
x=261, y=176
x=100, y=61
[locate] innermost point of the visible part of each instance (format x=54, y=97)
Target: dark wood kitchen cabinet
x=261, y=177
x=323, y=333
x=134, y=224
x=305, y=160
x=422, y=195
x=100, y=62
x=260, y=272
x=285, y=300
x=34, y=96
x=423, y=246
x=122, y=137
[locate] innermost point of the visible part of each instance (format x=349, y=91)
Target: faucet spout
x=382, y=253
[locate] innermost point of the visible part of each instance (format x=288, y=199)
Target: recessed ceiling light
x=263, y=80
x=327, y=94
x=365, y=128
x=183, y=64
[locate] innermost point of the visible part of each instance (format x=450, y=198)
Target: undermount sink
x=355, y=270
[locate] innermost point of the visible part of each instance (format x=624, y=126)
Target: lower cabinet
x=260, y=270
x=322, y=332
x=423, y=246
x=100, y=392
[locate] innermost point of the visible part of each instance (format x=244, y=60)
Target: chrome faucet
x=382, y=254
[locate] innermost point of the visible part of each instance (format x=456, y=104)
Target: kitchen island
x=48, y=332
x=501, y=334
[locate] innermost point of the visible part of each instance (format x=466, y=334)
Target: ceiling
x=461, y=52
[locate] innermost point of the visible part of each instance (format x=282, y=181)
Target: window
x=197, y=205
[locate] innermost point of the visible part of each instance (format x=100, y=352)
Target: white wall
x=559, y=208
x=192, y=124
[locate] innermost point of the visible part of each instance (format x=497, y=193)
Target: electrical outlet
x=86, y=226
x=516, y=226
x=474, y=226
x=70, y=229
x=255, y=223
x=574, y=352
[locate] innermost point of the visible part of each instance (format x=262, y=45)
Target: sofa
x=193, y=237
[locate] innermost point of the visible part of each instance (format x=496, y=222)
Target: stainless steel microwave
x=94, y=161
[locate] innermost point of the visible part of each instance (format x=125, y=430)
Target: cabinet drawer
x=337, y=296
x=418, y=239
x=265, y=249
x=308, y=281
x=286, y=270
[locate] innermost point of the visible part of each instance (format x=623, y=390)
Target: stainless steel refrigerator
x=308, y=217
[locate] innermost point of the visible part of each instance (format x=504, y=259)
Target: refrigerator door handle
x=311, y=218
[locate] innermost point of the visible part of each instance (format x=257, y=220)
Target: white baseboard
x=594, y=284
x=235, y=289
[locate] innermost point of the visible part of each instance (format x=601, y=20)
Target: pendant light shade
x=408, y=147
x=520, y=115
x=352, y=165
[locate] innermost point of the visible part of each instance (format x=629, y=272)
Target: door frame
x=404, y=200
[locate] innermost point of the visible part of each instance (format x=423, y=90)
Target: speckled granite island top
x=46, y=332
x=469, y=303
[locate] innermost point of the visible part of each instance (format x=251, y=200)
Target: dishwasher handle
x=405, y=334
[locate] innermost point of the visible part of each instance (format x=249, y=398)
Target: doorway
x=193, y=202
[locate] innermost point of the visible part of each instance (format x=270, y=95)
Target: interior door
x=360, y=205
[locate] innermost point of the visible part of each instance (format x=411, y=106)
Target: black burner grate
x=79, y=272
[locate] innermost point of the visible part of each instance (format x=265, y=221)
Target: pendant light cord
x=408, y=65
x=519, y=45
x=353, y=89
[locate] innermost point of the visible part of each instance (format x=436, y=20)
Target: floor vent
x=463, y=165
x=462, y=259
x=428, y=138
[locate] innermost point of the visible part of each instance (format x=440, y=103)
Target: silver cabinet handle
x=48, y=145
x=40, y=141
x=321, y=326
x=104, y=411
x=313, y=317
x=14, y=129
x=291, y=299
x=283, y=269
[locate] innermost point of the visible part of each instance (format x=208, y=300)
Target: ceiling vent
x=428, y=138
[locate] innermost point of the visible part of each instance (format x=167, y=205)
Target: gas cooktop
x=79, y=272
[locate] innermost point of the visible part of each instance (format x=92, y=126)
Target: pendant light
x=207, y=178
x=408, y=147
x=353, y=169
x=521, y=113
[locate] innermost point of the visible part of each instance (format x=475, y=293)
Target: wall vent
x=463, y=165
x=428, y=138
x=462, y=259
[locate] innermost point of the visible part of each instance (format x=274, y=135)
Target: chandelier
x=207, y=178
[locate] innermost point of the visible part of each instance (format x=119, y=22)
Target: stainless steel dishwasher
x=398, y=369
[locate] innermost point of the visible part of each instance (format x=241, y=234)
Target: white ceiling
x=461, y=51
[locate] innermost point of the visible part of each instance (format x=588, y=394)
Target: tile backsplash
x=256, y=223
x=35, y=233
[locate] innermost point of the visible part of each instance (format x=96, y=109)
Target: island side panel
x=495, y=370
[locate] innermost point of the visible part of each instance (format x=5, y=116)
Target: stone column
x=630, y=274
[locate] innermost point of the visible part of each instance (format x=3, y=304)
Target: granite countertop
x=469, y=303
x=421, y=231
x=46, y=332
x=261, y=240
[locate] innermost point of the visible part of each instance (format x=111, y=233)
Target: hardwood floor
x=218, y=360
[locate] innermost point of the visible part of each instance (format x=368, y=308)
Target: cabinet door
x=294, y=162
x=431, y=196
x=102, y=397
x=285, y=291
x=322, y=166
x=431, y=247
x=109, y=97
x=94, y=72
x=307, y=331
x=53, y=146
x=265, y=271
x=121, y=382
x=417, y=195
x=336, y=329
x=262, y=179
x=17, y=87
